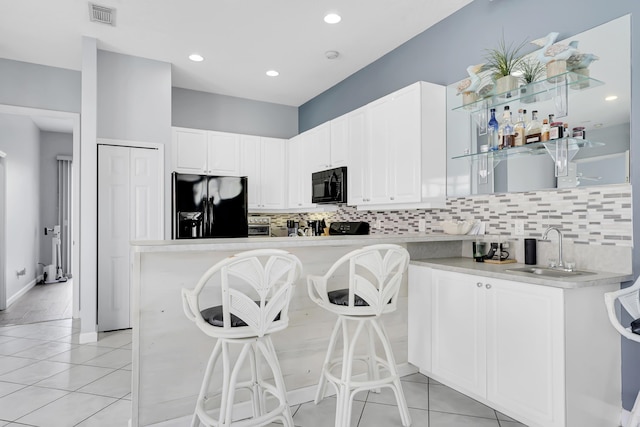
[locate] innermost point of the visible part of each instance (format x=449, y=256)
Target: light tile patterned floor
x=47, y=379
x=52, y=301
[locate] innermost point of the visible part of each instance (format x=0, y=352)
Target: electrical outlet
x=519, y=227
x=422, y=225
x=379, y=223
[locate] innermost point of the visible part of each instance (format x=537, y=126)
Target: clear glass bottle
x=544, y=130
x=519, y=129
x=492, y=131
x=532, y=131
x=506, y=129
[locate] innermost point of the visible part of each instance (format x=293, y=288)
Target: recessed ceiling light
x=611, y=98
x=272, y=73
x=196, y=57
x=332, y=18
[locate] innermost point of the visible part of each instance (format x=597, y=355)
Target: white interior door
x=3, y=252
x=129, y=206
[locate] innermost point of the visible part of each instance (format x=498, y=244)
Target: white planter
x=506, y=84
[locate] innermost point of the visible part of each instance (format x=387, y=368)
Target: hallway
x=53, y=301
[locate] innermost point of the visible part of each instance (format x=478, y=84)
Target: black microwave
x=329, y=186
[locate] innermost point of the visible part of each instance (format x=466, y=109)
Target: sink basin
x=549, y=272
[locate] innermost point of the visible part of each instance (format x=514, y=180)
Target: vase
x=506, y=84
x=579, y=79
x=469, y=98
x=556, y=70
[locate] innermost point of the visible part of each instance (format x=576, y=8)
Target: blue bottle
x=492, y=131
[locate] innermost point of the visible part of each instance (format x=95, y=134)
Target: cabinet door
x=273, y=173
x=250, y=167
x=458, y=330
x=404, y=140
x=223, y=154
x=189, y=150
x=339, y=141
x=419, y=315
x=299, y=181
x=379, y=138
x=525, y=350
x=320, y=142
x=358, y=188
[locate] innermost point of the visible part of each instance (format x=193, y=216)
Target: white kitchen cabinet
x=299, y=194
x=339, y=141
x=520, y=348
x=205, y=152
x=358, y=184
x=319, y=141
x=405, y=152
x=264, y=163
x=223, y=154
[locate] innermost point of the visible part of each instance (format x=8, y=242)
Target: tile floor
x=52, y=301
x=47, y=379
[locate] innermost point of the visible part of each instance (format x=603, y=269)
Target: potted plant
x=502, y=62
x=531, y=70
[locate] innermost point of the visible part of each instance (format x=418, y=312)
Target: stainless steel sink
x=549, y=272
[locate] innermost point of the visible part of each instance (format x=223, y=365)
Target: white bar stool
x=629, y=298
x=374, y=278
x=255, y=290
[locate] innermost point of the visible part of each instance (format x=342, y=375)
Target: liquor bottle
x=505, y=132
x=532, y=130
x=519, y=129
x=492, y=130
x=544, y=130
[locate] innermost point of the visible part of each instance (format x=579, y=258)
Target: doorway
x=43, y=122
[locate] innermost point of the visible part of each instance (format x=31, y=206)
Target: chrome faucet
x=544, y=237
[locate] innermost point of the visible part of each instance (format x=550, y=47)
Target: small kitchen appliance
x=259, y=226
x=329, y=186
x=351, y=228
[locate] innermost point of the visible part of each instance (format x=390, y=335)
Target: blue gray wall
x=39, y=86
x=201, y=110
x=441, y=55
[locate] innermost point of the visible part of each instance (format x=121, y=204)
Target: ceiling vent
x=102, y=14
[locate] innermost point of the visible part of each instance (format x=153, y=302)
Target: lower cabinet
x=521, y=348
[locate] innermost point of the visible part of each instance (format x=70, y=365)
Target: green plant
x=505, y=59
x=531, y=70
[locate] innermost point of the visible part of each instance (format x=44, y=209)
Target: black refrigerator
x=205, y=206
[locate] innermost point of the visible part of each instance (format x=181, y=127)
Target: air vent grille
x=105, y=15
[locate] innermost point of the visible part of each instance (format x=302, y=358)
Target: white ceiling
x=240, y=39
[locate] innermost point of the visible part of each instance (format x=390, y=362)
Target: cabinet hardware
x=488, y=286
x=479, y=284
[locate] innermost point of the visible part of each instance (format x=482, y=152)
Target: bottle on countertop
x=544, y=130
x=492, y=131
x=519, y=129
x=533, y=129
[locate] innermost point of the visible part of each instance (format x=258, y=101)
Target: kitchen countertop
x=246, y=243
x=498, y=271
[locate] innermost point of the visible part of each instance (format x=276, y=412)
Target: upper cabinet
x=398, y=155
x=205, y=152
x=299, y=168
x=264, y=163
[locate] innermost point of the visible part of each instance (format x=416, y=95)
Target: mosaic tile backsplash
x=600, y=215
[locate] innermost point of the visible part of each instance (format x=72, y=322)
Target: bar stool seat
x=252, y=292
x=374, y=278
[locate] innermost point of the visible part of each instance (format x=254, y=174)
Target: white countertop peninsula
x=170, y=353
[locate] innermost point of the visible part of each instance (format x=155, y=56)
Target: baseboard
x=23, y=291
x=294, y=397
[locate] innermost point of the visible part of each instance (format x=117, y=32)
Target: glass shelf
x=533, y=149
x=534, y=92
